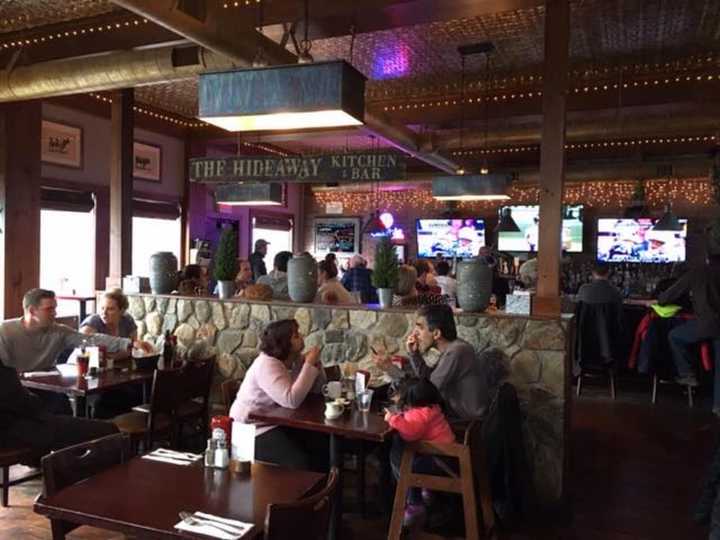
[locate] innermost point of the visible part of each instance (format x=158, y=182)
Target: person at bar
x=600, y=290
x=277, y=279
x=34, y=341
x=426, y=282
x=331, y=290
x=193, y=281
x=358, y=278
x=282, y=376
x=257, y=262
x=703, y=283
x=459, y=374
x=24, y=421
x=447, y=284
x=406, y=292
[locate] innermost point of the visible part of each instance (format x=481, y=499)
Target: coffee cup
x=333, y=410
x=332, y=390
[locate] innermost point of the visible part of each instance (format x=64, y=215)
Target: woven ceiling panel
x=23, y=14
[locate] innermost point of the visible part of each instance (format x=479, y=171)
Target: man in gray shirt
x=459, y=375
x=600, y=291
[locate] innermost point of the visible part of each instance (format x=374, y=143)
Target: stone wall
x=535, y=351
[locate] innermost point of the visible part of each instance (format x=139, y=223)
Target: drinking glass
x=83, y=363
x=364, y=400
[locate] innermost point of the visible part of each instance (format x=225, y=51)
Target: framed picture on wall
x=339, y=235
x=147, y=161
x=61, y=144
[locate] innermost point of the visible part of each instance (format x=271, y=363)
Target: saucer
x=333, y=416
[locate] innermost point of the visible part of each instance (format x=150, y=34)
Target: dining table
x=352, y=424
x=143, y=497
x=65, y=380
x=81, y=299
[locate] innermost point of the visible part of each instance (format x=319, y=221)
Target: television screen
x=450, y=237
x=338, y=235
x=633, y=240
x=528, y=222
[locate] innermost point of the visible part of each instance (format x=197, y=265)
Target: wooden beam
x=121, y=185
x=552, y=155
x=19, y=203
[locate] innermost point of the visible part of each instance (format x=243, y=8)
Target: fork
x=191, y=520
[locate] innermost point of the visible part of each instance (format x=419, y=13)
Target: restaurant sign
x=350, y=167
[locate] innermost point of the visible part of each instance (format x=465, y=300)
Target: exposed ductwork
x=108, y=71
x=220, y=30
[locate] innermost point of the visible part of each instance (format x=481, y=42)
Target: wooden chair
x=167, y=392
x=8, y=458
x=195, y=400
x=308, y=518
x=228, y=390
x=471, y=480
x=73, y=464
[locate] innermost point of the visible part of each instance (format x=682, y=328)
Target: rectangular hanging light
x=290, y=97
x=470, y=187
x=267, y=194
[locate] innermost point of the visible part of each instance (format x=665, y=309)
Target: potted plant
x=385, y=273
x=226, y=263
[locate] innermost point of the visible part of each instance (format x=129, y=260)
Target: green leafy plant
x=385, y=273
x=226, y=256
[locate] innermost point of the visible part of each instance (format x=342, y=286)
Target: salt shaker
x=222, y=455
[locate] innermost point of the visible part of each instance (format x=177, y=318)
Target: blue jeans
x=681, y=339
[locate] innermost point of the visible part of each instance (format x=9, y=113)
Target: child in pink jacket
x=421, y=419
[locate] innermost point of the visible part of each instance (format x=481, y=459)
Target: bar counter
x=536, y=349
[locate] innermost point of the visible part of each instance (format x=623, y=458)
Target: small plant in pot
x=226, y=263
x=385, y=273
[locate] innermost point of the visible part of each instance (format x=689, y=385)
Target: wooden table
x=143, y=497
x=81, y=388
x=82, y=300
x=369, y=426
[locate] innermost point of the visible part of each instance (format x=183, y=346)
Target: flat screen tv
x=528, y=221
x=450, y=237
x=633, y=240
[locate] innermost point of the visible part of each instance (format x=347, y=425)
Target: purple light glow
x=391, y=62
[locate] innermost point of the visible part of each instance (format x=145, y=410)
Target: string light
x=71, y=33
x=160, y=116
x=684, y=192
x=227, y=5
x=614, y=143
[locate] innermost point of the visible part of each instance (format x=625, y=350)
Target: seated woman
x=426, y=282
x=407, y=294
x=112, y=319
x=281, y=375
x=244, y=277
x=193, y=281
x=330, y=287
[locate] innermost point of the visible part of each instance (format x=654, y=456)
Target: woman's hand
x=388, y=415
x=312, y=357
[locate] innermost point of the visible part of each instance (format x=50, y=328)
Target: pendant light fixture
x=506, y=222
x=374, y=225
x=299, y=96
x=668, y=222
x=472, y=187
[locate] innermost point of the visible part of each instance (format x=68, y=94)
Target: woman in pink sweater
x=421, y=419
x=282, y=376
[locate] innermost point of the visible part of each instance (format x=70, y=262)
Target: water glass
x=364, y=400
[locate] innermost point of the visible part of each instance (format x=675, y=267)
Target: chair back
x=167, y=394
x=599, y=334
x=310, y=515
x=197, y=380
x=70, y=465
x=229, y=390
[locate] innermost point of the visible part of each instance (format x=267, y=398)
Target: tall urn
x=302, y=278
x=163, y=272
x=474, y=287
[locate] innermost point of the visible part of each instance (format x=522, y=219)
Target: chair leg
x=5, y=485
x=398, y=511
x=483, y=492
x=690, y=396
x=654, y=388
x=612, y=385
x=468, y=495
x=579, y=384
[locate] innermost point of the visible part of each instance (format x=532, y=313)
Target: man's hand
x=388, y=415
x=411, y=344
x=312, y=357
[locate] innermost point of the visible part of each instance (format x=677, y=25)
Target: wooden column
x=19, y=203
x=121, y=186
x=552, y=156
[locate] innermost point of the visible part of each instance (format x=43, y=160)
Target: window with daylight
x=276, y=230
x=151, y=235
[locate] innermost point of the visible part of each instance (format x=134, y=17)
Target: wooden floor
x=636, y=473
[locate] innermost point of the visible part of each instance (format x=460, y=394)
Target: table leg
x=83, y=311
x=336, y=461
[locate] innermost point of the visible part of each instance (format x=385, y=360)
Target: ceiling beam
x=225, y=32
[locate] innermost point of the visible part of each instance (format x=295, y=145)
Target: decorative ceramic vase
x=163, y=272
x=226, y=289
x=386, y=297
x=302, y=278
x=474, y=286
